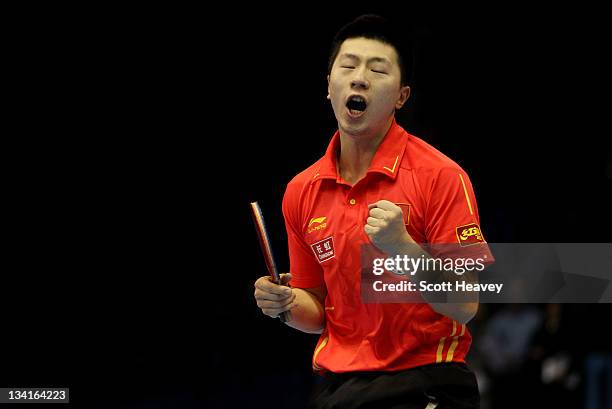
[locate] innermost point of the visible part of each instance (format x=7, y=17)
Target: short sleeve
x=305, y=269
x=453, y=223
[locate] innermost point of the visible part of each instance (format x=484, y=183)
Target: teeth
x=356, y=104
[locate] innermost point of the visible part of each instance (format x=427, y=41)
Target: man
x=377, y=185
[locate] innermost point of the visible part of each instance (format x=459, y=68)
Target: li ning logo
x=316, y=223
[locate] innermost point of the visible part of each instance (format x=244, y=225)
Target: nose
x=360, y=81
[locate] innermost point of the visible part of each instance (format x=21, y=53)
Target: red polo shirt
x=325, y=218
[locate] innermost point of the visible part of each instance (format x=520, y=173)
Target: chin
x=353, y=128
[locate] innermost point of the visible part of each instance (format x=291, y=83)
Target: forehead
x=366, y=48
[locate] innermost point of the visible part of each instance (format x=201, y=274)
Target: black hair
x=378, y=28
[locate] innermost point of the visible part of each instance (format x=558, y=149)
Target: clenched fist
x=385, y=227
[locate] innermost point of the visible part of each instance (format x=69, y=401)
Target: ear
x=403, y=97
x=328, y=97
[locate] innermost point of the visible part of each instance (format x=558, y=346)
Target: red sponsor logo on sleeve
x=469, y=234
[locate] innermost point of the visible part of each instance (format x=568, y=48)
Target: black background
x=138, y=137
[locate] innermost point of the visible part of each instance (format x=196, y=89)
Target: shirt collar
x=386, y=160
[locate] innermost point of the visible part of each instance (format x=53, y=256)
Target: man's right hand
x=274, y=299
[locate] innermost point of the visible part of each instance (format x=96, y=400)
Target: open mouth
x=356, y=105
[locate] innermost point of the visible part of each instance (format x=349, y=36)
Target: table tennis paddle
x=266, y=249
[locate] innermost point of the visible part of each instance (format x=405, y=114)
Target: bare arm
x=386, y=230
x=455, y=307
x=309, y=313
x=306, y=305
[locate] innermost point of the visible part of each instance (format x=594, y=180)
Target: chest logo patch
x=324, y=249
x=405, y=212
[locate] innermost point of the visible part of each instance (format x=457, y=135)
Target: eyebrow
x=372, y=59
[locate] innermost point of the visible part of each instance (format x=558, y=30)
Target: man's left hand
x=385, y=227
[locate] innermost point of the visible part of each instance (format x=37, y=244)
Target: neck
x=357, y=152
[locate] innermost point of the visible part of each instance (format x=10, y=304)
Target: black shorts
x=440, y=386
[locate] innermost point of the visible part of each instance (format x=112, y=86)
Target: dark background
x=136, y=139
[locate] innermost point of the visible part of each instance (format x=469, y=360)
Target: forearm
x=458, y=306
x=308, y=315
x=460, y=312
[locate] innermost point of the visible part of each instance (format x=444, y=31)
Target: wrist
x=405, y=246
